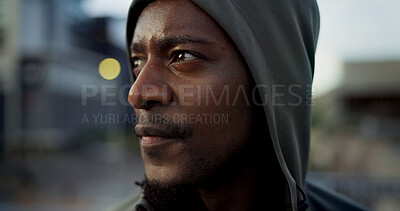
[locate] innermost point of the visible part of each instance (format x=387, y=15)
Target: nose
x=150, y=88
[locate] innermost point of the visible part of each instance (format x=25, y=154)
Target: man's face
x=191, y=93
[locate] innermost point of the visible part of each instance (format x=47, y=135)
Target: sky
x=350, y=30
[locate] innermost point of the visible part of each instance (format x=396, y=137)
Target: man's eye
x=181, y=56
x=138, y=64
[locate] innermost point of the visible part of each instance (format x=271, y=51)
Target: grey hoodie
x=277, y=39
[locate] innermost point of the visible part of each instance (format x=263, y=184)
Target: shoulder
x=323, y=198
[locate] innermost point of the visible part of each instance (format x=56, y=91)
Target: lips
x=145, y=130
x=151, y=136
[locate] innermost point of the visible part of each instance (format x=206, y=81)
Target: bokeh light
x=109, y=68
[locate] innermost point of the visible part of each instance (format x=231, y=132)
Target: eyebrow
x=166, y=43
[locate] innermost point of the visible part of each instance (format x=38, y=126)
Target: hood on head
x=277, y=39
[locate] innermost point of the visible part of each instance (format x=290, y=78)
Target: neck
x=251, y=179
x=232, y=190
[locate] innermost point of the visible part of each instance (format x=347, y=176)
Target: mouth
x=155, y=136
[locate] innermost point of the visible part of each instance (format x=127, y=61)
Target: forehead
x=175, y=18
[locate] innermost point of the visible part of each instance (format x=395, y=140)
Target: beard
x=164, y=196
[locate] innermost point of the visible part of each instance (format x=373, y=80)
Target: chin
x=177, y=173
x=166, y=174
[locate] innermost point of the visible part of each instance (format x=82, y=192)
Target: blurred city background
x=64, y=146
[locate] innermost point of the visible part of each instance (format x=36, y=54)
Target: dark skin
x=179, y=53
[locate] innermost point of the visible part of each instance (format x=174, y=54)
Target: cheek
x=224, y=114
x=220, y=101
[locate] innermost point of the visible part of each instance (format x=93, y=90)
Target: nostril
x=150, y=103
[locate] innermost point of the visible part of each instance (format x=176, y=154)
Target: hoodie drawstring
x=303, y=204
